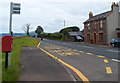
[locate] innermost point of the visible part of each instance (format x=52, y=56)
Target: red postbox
x=7, y=43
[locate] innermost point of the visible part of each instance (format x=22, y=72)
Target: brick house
x=101, y=28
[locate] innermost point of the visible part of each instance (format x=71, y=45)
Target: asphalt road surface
x=109, y=52
x=96, y=63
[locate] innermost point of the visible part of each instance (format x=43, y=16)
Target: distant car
x=41, y=37
x=115, y=42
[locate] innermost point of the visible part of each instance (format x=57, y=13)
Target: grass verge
x=13, y=72
x=0, y=62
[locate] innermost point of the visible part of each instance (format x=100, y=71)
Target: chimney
x=114, y=6
x=90, y=14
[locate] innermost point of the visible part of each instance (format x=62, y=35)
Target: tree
x=65, y=31
x=26, y=28
x=71, y=28
x=39, y=30
x=74, y=28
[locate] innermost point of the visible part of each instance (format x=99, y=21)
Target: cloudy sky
x=50, y=14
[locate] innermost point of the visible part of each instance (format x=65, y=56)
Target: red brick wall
x=95, y=31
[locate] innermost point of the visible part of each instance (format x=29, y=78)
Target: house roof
x=99, y=16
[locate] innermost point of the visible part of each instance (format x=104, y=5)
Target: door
x=94, y=38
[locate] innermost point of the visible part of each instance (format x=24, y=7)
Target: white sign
x=15, y=8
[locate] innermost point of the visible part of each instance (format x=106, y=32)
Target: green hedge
x=51, y=35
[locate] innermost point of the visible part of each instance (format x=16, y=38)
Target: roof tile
x=99, y=16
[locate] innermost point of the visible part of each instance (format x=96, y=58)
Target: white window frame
x=101, y=24
x=88, y=25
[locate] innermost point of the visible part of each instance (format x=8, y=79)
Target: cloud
x=50, y=13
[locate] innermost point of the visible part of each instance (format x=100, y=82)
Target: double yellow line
x=84, y=79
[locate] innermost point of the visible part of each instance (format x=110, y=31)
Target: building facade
x=101, y=28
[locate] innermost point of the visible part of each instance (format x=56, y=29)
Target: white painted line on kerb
x=116, y=60
x=87, y=47
x=112, y=50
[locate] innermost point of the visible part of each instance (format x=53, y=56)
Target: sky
x=50, y=14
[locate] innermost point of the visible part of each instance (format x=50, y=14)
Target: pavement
x=38, y=66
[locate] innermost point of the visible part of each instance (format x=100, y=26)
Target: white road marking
x=68, y=43
x=116, y=60
x=112, y=50
x=70, y=74
x=64, y=43
x=87, y=46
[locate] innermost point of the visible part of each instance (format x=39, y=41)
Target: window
x=101, y=36
x=101, y=24
x=88, y=26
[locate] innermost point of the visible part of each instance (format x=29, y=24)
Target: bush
x=51, y=35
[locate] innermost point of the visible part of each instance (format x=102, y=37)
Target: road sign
x=15, y=8
x=16, y=12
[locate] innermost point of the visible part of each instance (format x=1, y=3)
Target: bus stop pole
x=10, y=24
x=6, y=60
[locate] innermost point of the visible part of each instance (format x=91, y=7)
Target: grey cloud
x=51, y=15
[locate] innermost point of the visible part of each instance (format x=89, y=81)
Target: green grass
x=13, y=72
x=0, y=62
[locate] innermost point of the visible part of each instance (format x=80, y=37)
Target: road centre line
x=116, y=60
x=84, y=79
x=112, y=50
x=87, y=46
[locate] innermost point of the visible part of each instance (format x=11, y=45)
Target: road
x=96, y=63
x=109, y=52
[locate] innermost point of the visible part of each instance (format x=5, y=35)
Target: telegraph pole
x=64, y=23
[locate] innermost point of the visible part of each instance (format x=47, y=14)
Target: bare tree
x=26, y=28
